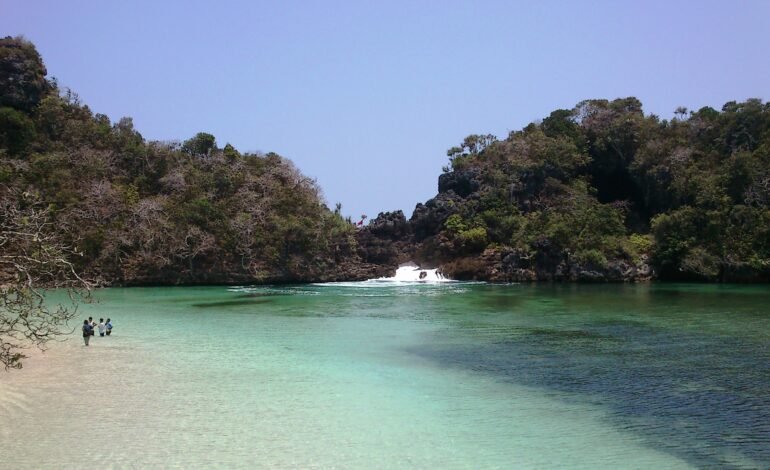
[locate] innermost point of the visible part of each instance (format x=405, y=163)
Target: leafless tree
x=196, y=243
x=33, y=258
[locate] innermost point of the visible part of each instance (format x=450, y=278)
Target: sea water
x=402, y=375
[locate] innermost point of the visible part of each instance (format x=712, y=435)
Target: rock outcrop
x=390, y=240
x=386, y=242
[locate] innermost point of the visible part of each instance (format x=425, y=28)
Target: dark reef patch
x=703, y=398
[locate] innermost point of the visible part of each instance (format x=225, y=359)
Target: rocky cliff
x=600, y=192
x=391, y=240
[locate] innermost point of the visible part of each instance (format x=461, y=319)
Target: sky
x=367, y=96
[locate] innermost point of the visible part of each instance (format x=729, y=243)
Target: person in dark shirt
x=88, y=330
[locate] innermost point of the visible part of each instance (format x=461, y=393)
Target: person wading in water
x=88, y=330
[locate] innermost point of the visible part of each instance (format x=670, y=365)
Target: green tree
x=201, y=145
x=17, y=131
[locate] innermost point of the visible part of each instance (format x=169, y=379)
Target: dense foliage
x=598, y=192
x=604, y=183
x=159, y=212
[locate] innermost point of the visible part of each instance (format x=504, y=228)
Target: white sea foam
x=406, y=275
x=412, y=273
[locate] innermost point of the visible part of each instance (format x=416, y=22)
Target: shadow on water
x=702, y=396
x=249, y=300
x=562, y=335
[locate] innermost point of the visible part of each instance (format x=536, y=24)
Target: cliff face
x=391, y=239
x=543, y=260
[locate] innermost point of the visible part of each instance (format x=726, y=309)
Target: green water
x=402, y=376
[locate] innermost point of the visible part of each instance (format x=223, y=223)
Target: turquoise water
x=403, y=376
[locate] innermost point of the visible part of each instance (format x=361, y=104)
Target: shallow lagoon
x=377, y=375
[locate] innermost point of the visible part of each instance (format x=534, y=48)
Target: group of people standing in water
x=90, y=327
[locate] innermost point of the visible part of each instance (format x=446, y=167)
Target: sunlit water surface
x=402, y=375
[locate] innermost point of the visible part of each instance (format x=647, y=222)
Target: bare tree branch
x=34, y=259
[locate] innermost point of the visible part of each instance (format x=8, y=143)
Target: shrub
x=16, y=131
x=591, y=257
x=474, y=239
x=701, y=262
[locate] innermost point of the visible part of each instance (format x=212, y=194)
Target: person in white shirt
x=102, y=327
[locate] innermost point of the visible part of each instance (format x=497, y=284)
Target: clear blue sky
x=366, y=96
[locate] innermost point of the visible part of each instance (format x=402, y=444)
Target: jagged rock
x=22, y=74
x=428, y=219
x=618, y=270
x=385, y=242
x=512, y=265
x=466, y=269
x=549, y=262
x=390, y=225
x=587, y=275
x=462, y=183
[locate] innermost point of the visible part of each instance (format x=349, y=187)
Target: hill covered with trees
x=141, y=212
x=601, y=192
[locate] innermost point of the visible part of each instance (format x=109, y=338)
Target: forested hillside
x=604, y=192
x=600, y=192
x=159, y=212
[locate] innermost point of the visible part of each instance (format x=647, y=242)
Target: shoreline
x=494, y=283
